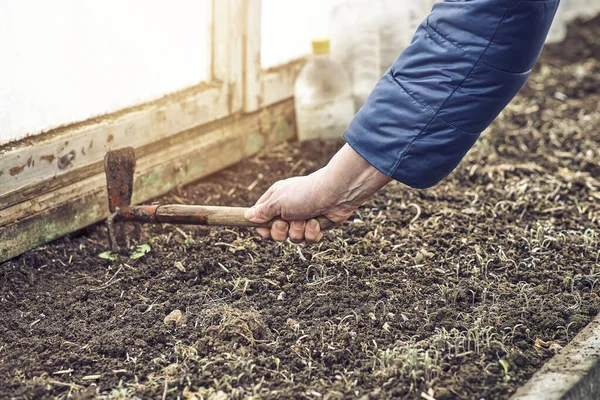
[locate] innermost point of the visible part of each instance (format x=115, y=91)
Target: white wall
x=63, y=61
x=288, y=26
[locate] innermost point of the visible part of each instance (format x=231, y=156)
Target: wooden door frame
x=263, y=88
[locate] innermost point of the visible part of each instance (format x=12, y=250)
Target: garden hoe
x=119, y=166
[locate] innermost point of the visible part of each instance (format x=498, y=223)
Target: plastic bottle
x=356, y=43
x=323, y=96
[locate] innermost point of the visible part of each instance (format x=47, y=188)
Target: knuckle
x=259, y=211
x=271, y=207
x=266, y=210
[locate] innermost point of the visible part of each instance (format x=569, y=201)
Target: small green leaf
x=108, y=255
x=140, y=251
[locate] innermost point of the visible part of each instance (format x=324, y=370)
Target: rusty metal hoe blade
x=119, y=166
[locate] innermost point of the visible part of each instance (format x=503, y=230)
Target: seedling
x=140, y=251
x=108, y=255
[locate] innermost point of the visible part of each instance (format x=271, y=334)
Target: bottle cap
x=320, y=46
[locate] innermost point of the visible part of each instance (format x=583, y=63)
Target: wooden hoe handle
x=197, y=215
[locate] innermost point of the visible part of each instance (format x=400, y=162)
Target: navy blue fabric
x=466, y=62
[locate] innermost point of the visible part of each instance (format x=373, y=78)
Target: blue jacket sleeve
x=466, y=61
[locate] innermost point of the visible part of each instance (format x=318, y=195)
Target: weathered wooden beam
x=161, y=166
x=263, y=87
x=278, y=82
x=70, y=154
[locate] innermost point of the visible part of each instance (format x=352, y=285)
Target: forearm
x=465, y=63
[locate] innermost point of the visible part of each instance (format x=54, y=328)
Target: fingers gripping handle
x=216, y=216
x=325, y=223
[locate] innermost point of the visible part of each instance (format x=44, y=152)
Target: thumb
x=260, y=213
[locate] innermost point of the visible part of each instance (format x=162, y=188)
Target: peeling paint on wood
x=16, y=170
x=49, y=158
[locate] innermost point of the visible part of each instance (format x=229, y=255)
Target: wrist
x=350, y=178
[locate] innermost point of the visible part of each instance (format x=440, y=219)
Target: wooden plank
x=278, y=82
x=170, y=148
x=70, y=154
x=161, y=166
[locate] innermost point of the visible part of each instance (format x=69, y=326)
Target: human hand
x=334, y=191
x=296, y=201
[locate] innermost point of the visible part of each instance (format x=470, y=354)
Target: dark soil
x=460, y=291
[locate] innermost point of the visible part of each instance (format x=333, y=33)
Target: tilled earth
x=459, y=291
